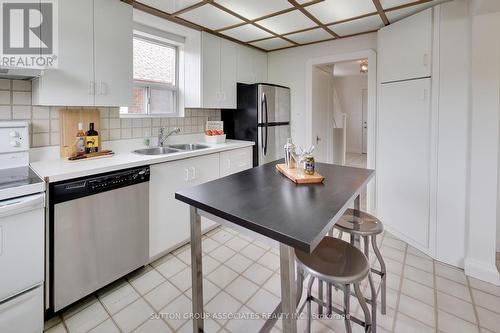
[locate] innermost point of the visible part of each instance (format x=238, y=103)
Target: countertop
x=266, y=202
x=57, y=169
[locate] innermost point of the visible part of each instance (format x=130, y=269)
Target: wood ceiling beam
x=380, y=11
x=313, y=18
x=187, y=9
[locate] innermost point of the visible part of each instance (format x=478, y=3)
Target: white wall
x=349, y=92
x=288, y=67
x=483, y=211
x=322, y=108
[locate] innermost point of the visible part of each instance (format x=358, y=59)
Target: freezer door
x=273, y=104
x=272, y=149
x=282, y=105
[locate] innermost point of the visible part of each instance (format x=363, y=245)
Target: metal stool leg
x=309, y=301
x=329, y=298
x=320, y=296
x=372, y=284
x=347, y=303
x=383, y=277
x=369, y=327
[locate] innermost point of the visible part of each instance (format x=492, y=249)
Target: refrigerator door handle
x=266, y=123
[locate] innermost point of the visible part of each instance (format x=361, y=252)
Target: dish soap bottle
x=80, y=140
x=92, y=140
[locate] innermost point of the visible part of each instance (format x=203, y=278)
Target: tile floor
x=242, y=277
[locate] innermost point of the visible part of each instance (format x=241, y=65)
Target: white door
x=228, y=74
x=364, y=113
x=113, y=53
x=246, y=72
x=72, y=82
x=169, y=218
x=211, y=71
x=404, y=48
x=403, y=158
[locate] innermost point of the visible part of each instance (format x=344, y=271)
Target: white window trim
x=177, y=45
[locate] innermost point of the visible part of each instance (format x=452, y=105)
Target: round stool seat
x=334, y=261
x=361, y=223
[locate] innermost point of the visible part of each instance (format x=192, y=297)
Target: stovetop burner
x=14, y=177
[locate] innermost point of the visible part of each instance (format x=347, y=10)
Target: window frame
x=148, y=85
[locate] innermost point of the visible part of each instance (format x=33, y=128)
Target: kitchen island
x=267, y=203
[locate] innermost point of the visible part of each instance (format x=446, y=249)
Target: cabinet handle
x=193, y=173
x=91, y=88
x=186, y=177
x=103, y=88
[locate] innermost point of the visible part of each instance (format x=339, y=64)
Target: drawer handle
x=186, y=177
x=228, y=164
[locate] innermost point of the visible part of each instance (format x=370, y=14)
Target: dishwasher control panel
x=81, y=187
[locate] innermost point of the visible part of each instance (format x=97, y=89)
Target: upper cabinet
x=404, y=48
x=94, y=69
x=225, y=63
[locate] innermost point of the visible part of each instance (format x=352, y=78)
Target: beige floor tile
x=484, y=286
x=453, y=288
x=87, y=318
x=392, y=253
x=257, y=273
x=209, y=264
x=252, y=251
x=162, y=295
x=488, y=319
x=488, y=301
x=222, y=236
x=245, y=323
x=391, y=266
x=394, y=243
x=221, y=305
x=133, y=315
x=208, y=245
x=147, y=281
x=177, y=312
x=185, y=256
x=222, y=253
x=273, y=285
x=222, y=276
x=419, y=262
x=236, y=243
x=59, y=328
x=417, y=310
x=171, y=267
x=405, y=324
x=52, y=322
x=419, y=275
x=418, y=291
x=270, y=261
x=105, y=327
x=456, y=306
x=239, y=263
x=263, y=301
x=153, y=326
x=418, y=253
x=451, y=324
x=118, y=297
x=79, y=306
x=209, y=291
x=241, y=289
x=182, y=280
x=451, y=273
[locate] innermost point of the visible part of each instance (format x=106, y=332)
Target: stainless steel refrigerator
x=262, y=116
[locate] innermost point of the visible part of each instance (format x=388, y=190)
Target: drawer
x=236, y=160
x=23, y=313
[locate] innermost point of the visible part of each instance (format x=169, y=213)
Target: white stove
x=22, y=233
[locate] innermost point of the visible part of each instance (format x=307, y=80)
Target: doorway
x=340, y=111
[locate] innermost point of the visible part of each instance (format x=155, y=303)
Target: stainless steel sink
x=188, y=146
x=170, y=149
x=157, y=151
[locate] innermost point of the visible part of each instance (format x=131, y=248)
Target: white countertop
x=57, y=169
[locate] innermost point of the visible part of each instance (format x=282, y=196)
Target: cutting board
x=68, y=127
x=297, y=178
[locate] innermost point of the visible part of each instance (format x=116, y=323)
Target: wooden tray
x=293, y=175
x=68, y=127
x=86, y=157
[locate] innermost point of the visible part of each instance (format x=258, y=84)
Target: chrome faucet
x=162, y=136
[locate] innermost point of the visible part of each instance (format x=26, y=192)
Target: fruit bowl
x=215, y=138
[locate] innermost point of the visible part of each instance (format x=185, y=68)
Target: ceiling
x=278, y=24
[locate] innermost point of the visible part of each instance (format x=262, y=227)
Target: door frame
x=364, y=118
x=371, y=55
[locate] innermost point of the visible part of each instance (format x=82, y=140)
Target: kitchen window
x=155, y=78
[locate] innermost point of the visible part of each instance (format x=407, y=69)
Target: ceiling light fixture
x=363, y=67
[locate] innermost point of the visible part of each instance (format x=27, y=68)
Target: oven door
x=22, y=225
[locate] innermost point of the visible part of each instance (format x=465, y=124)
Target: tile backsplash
x=15, y=104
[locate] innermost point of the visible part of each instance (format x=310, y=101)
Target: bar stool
x=360, y=224
x=341, y=264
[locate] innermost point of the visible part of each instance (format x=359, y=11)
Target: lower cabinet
x=169, y=218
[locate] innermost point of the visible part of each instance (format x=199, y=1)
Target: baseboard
x=482, y=270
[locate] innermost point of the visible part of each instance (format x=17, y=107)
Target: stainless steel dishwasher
x=99, y=232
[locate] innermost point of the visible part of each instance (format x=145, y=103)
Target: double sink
x=170, y=149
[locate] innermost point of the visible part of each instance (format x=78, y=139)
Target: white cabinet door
x=169, y=218
x=404, y=48
x=72, y=82
x=237, y=160
x=211, y=67
x=404, y=158
x=246, y=70
x=228, y=74
x=260, y=66
x=113, y=53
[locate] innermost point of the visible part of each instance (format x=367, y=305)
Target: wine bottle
x=92, y=140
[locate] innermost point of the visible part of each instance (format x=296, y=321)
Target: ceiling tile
x=330, y=11
x=310, y=36
x=288, y=22
x=364, y=24
x=393, y=3
x=210, y=17
x=246, y=32
x=396, y=15
x=271, y=44
x=252, y=9
x=169, y=6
